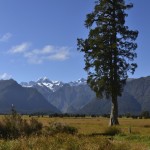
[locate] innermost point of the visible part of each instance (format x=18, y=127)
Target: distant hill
x=25, y=100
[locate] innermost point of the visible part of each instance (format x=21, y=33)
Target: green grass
x=66, y=142
x=135, y=138
x=91, y=136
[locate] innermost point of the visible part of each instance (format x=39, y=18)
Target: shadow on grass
x=98, y=134
x=110, y=131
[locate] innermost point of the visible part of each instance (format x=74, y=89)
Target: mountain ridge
x=52, y=85
x=25, y=100
x=72, y=97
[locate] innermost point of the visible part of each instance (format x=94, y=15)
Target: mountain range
x=67, y=97
x=77, y=97
x=49, y=96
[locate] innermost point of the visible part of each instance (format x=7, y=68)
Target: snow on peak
x=44, y=82
x=81, y=81
x=52, y=85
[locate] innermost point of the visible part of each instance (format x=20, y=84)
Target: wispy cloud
x=38, y=56
x=47, y=53
x=62, y=54
x=5, y=37
x=21, y=48
x=5, y=76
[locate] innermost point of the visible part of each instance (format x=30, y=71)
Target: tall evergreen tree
x=109, y=51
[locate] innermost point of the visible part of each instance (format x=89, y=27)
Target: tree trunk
x=114, y=113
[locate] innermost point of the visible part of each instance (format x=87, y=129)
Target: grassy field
x=135, y=135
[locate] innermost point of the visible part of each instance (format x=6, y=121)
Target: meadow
x=134, y=134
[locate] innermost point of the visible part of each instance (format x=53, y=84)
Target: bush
x=33, y=127
x=145, y=114
x=58, y=127
x=13, y=126
x=112, y=131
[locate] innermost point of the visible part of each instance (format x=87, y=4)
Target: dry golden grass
x=89, y=136
x=90, y=125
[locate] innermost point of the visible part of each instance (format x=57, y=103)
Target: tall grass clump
x=13, y=126
x=57, y=127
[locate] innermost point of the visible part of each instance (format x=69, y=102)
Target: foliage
x=108, y=47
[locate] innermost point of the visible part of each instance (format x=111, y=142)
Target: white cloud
x=5, y=37
x=20, y=48
x=38, y=56
x=47, y=53
x=5, y=76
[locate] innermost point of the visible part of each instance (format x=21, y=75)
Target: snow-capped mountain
x=64, y=96
x=52, y=85
x=44, y=82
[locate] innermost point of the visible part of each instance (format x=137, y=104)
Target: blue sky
x=39, y=38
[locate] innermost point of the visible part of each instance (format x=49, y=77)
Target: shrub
x=112, y=131
x=13, y=126
x=33, y=127
x=58, y=127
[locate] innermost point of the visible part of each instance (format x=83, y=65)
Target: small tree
x=108, y=50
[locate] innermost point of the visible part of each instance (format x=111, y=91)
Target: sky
x=38, y=38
